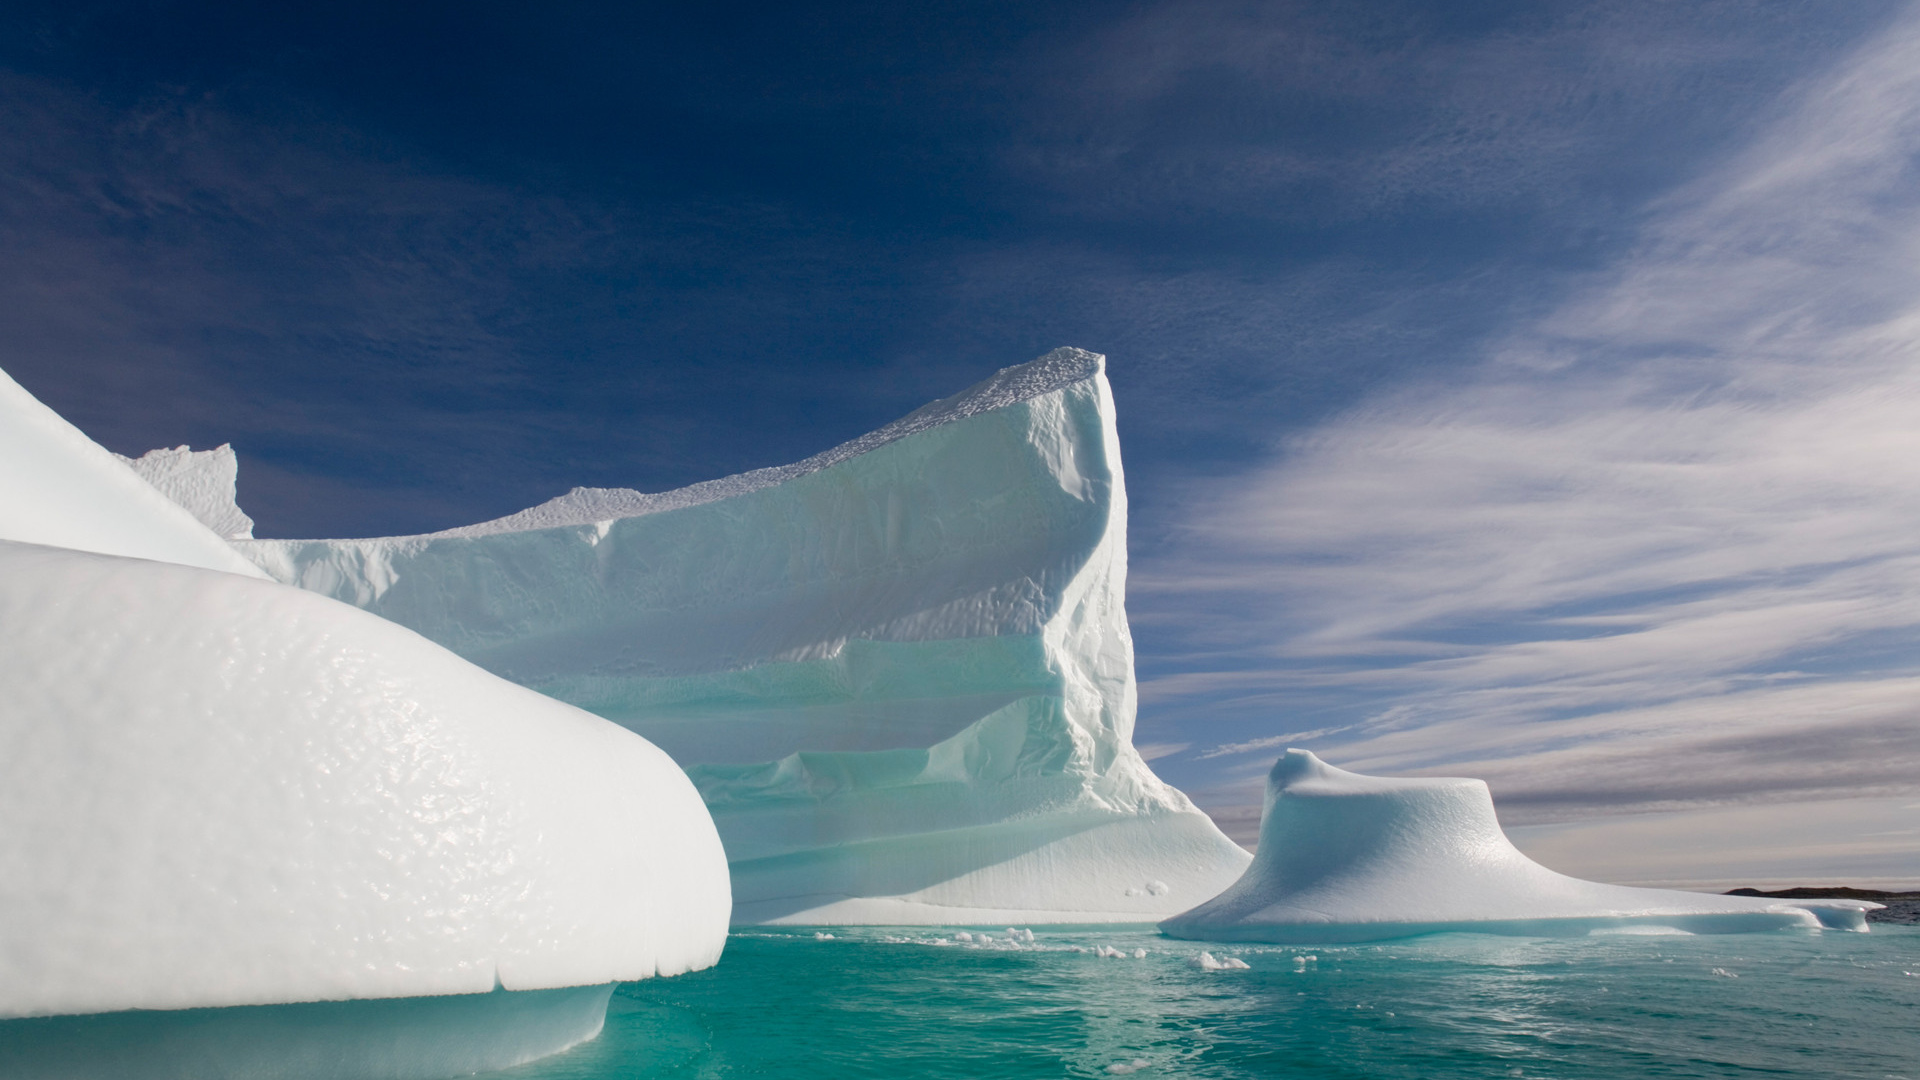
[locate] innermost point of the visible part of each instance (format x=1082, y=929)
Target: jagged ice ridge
x=899, y=671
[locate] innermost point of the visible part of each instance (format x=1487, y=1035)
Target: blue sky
x=1518, y=389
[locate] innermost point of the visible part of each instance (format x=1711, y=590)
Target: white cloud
x=1677, y=520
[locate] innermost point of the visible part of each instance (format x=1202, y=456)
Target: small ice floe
x=1300, y=962
x=1724, y=973
x=1121, y=1068
x=1206, y=962
x=1020, y=935
x=822, y=935
x=963, y=936
x=1139, y=954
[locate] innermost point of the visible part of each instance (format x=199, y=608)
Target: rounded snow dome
x=222, y=791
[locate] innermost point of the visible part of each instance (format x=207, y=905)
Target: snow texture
x=218, y=790
x=421, y=1038
x=203, y=482
x=61, y=488
x=1345, y=857
x=899, y=671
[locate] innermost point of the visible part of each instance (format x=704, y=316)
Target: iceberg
x=1345, y=857
x=899, y=672
x=242, y=824
x=203, y=482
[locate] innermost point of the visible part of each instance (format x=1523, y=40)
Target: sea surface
x=902, y=1003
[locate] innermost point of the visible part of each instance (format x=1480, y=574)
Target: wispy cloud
x=1659, y=547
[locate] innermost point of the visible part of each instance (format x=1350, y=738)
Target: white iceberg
x=899, y=671
x=1345, y=857
x=220, y=795
x=203, y=482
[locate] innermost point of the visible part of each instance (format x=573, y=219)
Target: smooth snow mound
x=203, y=482
x=61, y=488
x=899, y=672
x=223, y=791
x=1346, y=857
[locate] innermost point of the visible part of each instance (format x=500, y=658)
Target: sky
x=1521, y=390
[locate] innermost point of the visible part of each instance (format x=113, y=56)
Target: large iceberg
x=1345, y=857
x=220, y=795
x=899, y=672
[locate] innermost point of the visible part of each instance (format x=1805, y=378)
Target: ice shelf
x=1345, y=857
x=899, y=672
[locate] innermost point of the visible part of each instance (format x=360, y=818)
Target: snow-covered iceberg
x=1345, y=857
x=220, y=795
x=899, y=671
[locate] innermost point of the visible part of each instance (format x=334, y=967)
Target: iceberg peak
x=1055, y=371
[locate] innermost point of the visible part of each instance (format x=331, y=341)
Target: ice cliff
x=899, y=671
x=221, y=795
x=1346, y=857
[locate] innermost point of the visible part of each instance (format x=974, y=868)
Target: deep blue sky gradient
x=428, y=264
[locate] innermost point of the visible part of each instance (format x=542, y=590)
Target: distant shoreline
x=1825, y=892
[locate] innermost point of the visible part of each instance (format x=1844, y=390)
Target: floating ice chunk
x=821, y=935
x=1206, y=962
x=963, y=936
x=1139, y=954
x=1345, y=857
x=61, y=488
x=899, y=672
x=221, y=791
x=1121, y=1068
x=1724, y=973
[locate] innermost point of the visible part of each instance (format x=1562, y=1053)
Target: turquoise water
x=915, y=1003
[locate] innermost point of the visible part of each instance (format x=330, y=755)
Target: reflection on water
x=897, y=1003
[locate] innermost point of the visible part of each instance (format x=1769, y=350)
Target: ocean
x=895, y=1003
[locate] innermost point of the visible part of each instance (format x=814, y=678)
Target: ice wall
x=221, y=791
x=1346, y=857
x=203, y=482
x=59, y=487
x=899, y=672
